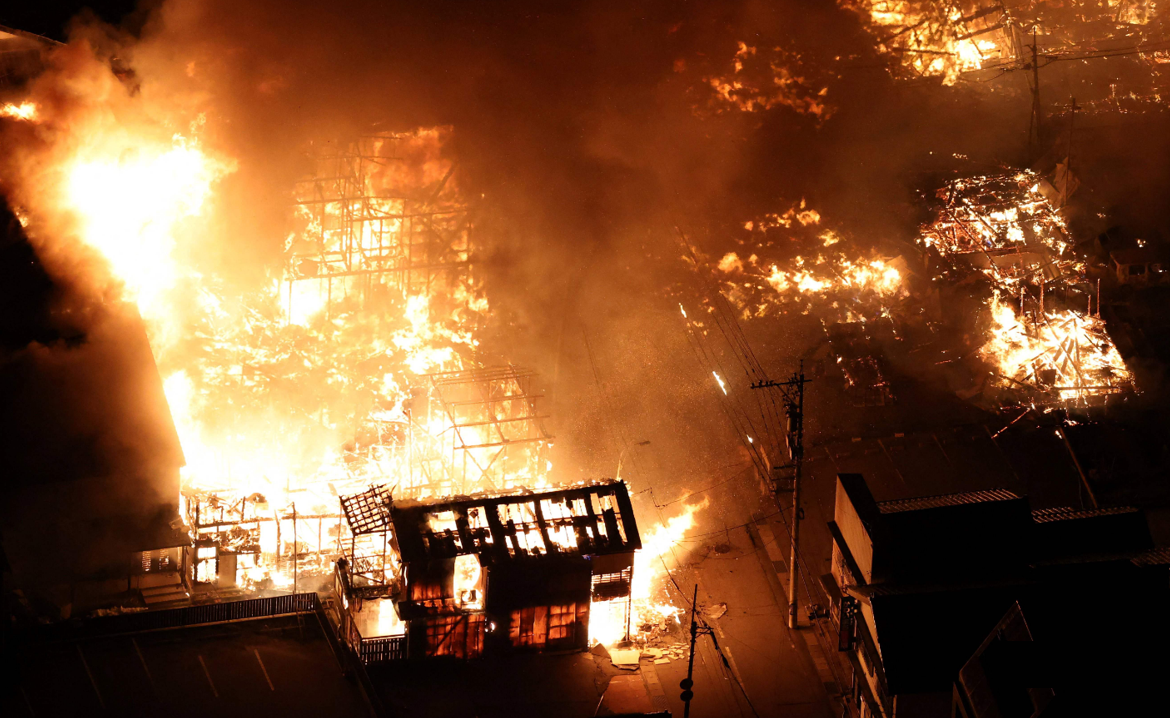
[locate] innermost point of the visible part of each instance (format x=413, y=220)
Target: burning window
x=468, y=580
x=539, y=626
x=459, y=636
x=432, y=585
x=379, y=617
x=529, y=626
x=563, y=620
x=166, y=559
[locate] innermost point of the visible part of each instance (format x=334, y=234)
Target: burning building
x=457, y=577
x=1040, y=344
x=375, y=272
x=976, y=39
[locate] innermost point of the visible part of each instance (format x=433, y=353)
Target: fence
x=180, y=617
x=379, y=650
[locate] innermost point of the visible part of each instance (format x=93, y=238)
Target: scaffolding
x=476, y=430
x=370, y=562
x=366, y=225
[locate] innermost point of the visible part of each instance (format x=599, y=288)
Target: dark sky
x=50, y=17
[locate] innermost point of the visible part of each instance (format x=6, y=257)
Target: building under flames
x=493, y=572
x=1044, y=342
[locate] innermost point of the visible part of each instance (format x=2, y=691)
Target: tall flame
x=650, y=594
x=129, y=196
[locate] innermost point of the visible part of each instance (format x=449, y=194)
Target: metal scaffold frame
x=361, y=226
x=372, y=566
x=488, y=414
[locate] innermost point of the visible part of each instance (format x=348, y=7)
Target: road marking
x=731, y=661
x=208, y=674
x=92, y=682
x=143, y=660
x=257, y=652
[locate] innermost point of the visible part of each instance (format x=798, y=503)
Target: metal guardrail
x=378, y=649
x=249, y=609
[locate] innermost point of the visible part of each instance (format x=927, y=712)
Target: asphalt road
x=769, y=671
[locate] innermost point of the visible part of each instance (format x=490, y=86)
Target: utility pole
x=792, y=392
x=1072, y=120
x=1034, y=123
x=697, y=628
x=687, y=683
x=700, y=627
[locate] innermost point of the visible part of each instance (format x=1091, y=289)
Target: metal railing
x=377, y=649
x=380, y=650
x=249, y=609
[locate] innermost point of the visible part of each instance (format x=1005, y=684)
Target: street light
x=618, y=473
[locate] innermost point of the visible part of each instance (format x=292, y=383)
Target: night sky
x=51, y=17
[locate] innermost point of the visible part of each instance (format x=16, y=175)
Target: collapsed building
x=1005, y=226
x=494, y=572
x=377, y=291
x=1041, y=345
x=955, y=40
x=490, y=423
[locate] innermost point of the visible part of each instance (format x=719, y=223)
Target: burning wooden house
x=461, y=576
x=1003, y=226
x=1043, y=343
x=973, y=40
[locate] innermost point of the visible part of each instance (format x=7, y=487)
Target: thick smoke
x=593, y=134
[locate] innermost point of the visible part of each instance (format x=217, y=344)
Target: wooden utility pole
x=793, y=397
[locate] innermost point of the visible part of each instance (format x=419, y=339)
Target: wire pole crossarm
x=1037, y=111
x=793, y=391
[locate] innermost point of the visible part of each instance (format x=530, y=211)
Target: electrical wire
x=728, y=480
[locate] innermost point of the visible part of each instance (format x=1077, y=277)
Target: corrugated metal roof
x=934, y=502
x=1068, y=513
